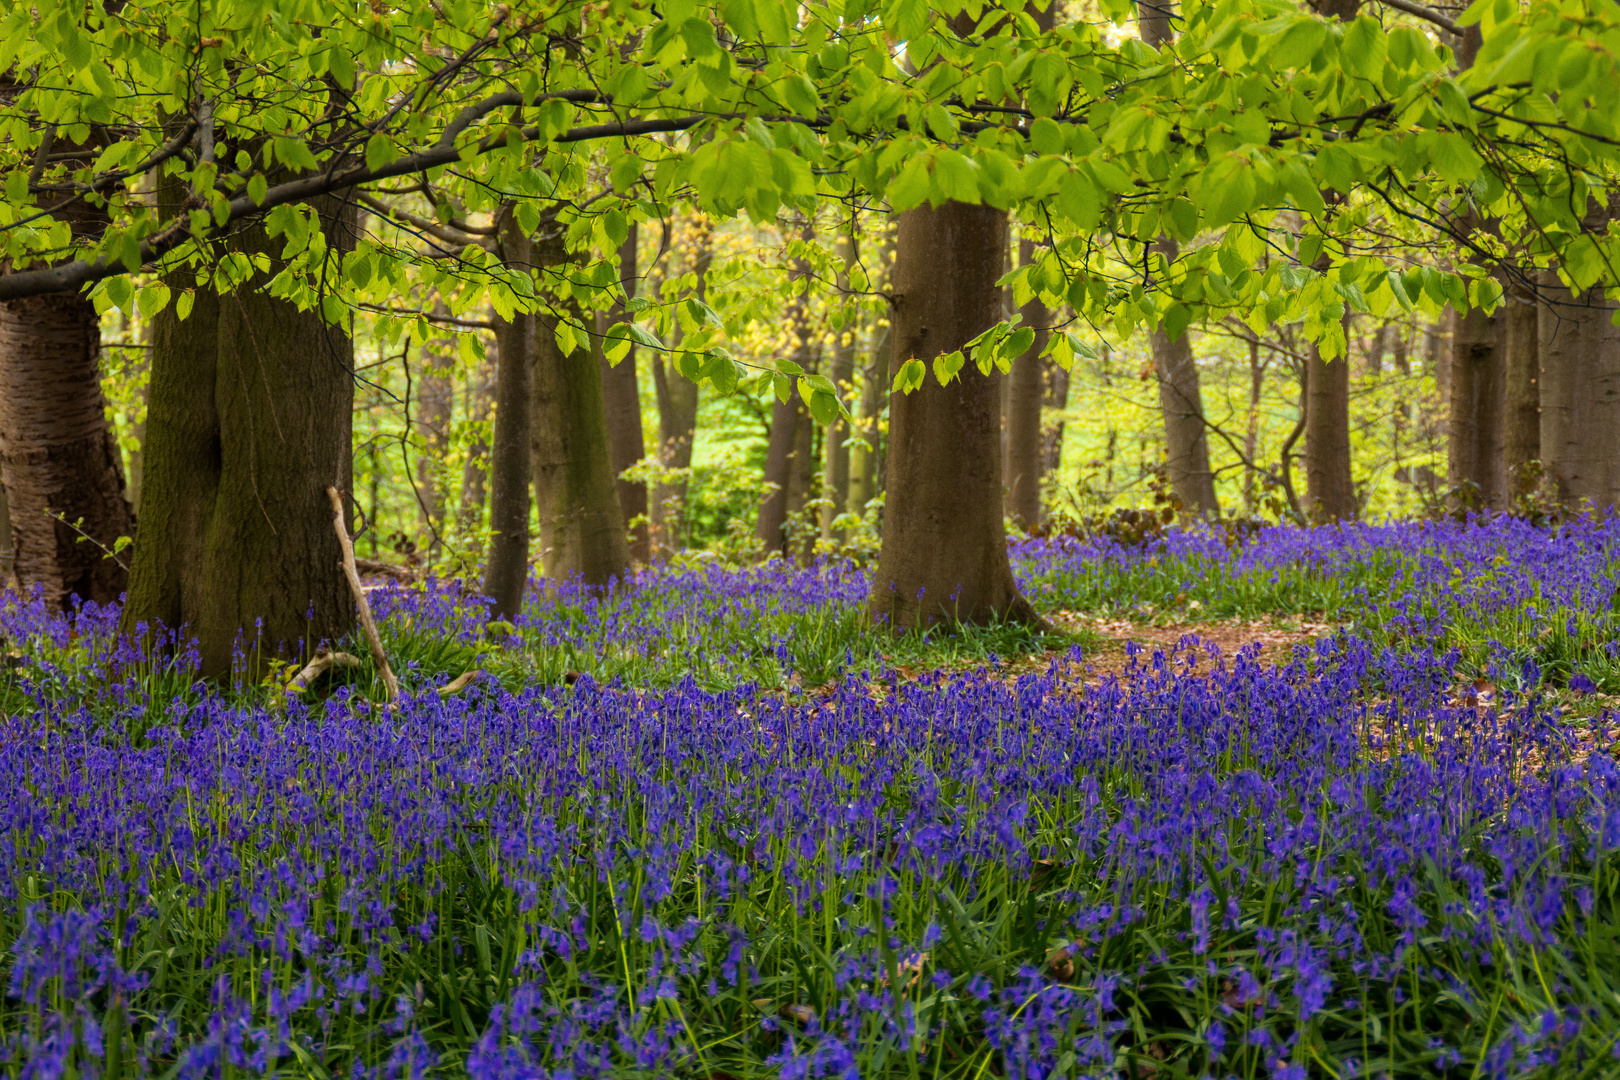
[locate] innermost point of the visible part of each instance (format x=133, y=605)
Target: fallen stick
x=459, y=683
x=324, y=661
x=367, y=624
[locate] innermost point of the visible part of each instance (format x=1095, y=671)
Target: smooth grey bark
x=1521, y=416
x=1478, y=385
x=866, y=455
x=835, y=482
x=478, y=398
x=782, y=444
x=435, y=405
x=1579, y=349
x=1329, y=491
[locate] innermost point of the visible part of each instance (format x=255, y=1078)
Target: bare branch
x=1427, y=14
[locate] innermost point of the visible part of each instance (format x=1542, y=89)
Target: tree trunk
x=621, y=403
x=478, y=397
x=1181, y=401
x=582, y=530
x=1056, y=399
x=864, y=470
x=435, y=401
x=506, y=568
x=59, y=460
x=1329, y=491
x=1474, y=442
x=781, y=450
x=802, y=477
x=835, y=442
x=677, y=421
x=1251, y=429
x=1580, y=394
x=248, y=422
x=1024, y=393
x=944, y=554
x=1521, y=433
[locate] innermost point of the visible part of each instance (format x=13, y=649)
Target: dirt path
x=1276, y=635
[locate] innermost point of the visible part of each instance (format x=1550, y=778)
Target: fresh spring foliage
x=1204, y=866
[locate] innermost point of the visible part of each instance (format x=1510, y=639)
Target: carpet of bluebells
x=701, y=826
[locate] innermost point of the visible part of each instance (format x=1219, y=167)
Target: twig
x=323, y=662
x=367, y=624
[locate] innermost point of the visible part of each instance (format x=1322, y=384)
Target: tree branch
x=1427, y=14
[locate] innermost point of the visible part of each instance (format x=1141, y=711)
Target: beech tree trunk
x=1521, y=418
x=865, y=457
x=1025, y=394
x=435, y=400
x=1056, y=399
x=677, y=421
x=1329, y=492
x=835, y=442
x=248, y=422
x=1181, y=400
x=1580, y=394
x=478, y=398
x=944, y=553
x=621, y=403
x=59, y=461
x=506, y=568
x=1478, y=396
x=582, y=530
x=781, y=448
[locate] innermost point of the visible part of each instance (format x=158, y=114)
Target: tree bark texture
x=435, y=400
x=478, y=398
x=677, y=421
x=1580, y=394
x=506, y=567
x=582, y=532
x=865, y=471
x=944, y=553
x=1025, y=395
x=1329, y=491
x=248, y=422
x=782, y=459
x=59, y=460
x=621, y=403
x=1521, y=417
x=1056, y=399
x=1181, y=400
x=835, y=448
x=1478, y=396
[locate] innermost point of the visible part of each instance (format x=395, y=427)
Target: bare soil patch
x=1277, y=637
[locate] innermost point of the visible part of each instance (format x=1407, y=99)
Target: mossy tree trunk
x=944, y=553
x=582, y=530
x=248, y=422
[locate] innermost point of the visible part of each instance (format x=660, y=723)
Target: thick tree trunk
x=582, y=530
x=248, y=422
x=677, y=421
x=835, y=443
x=59, y=461
x=944, y=554
x=621, y=403
x=1025, y=394
x=1478, y=389
x=1580, y=394
x=1521, y=418
x=506, y=568
x=1329, y=491
x=802, y=476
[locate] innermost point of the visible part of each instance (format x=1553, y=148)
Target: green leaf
x=182, y=306
x=644, y=337
x=119, y=292
x=910, y=376
x=824, y=408
x=1176, y=321
x=783, y=386
x=1365, y=48
x=257, y=187
x=1182, y=218
x=294, y=154
x=1229, y=191
x=946, y=366
x=1453, y=158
